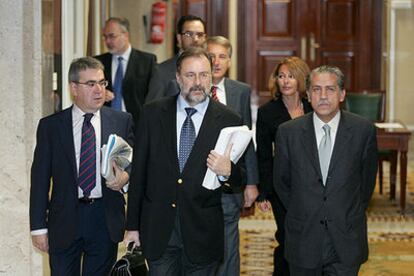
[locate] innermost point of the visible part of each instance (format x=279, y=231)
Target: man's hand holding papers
x=233, y=139
x=116, y=157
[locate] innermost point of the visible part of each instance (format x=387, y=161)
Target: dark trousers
x=330, y=264
x=280, y=265
x=92, y=250
x=232, y=204
x=174, y=261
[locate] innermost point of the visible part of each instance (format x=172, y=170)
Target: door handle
x=313, y=47
x=303, y=47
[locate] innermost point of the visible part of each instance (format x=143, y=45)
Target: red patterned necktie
x=87, y=162
x=214, y=93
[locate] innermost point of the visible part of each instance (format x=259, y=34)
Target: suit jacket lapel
x=66, y=136
x=343, y=135
x=168, y=120
x=309, y=143
x=107, y=63
x=107, y=124
x=129, y=65
x=230, y=93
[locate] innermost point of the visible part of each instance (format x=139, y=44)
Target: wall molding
x=393, y=6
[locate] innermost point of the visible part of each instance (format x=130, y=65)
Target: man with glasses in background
x=191, y=32
x=127, y=70
x=75, y=215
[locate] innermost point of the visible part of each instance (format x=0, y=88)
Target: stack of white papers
x=239, y=137
x=118, y=151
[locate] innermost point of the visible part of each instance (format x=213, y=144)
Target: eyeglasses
x=110, y=36
x=91, y=84
x=193, y=35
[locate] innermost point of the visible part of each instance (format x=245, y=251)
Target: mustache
x=198, y=87
x=323, y=102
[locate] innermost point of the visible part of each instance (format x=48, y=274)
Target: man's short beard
x=199, y=99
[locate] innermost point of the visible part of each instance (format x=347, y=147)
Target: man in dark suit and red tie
x=75, y=215
x=178, y=221
x=324, y=174
x=235, y=95
x=127, y=70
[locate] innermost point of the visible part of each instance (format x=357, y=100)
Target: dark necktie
x=325, y=152
x=214, y=93
x=119, y=76
x=87, y=162
x=187, y=137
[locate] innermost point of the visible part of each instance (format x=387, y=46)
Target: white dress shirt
x=319, y=132
x=221, y=92
x=197, y=117
x=114, y=66
x=77, y=122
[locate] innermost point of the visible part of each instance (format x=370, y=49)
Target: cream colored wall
x=404, y=67
x=134, y=11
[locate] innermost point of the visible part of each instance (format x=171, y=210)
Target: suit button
x=173, y=205
x=324, y=198
x=180, y=181
x=322, y=222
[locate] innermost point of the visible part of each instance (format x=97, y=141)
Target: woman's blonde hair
x=299, y=70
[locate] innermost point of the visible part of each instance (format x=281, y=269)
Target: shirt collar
x=77, y=113
x=201, y=107
x=125, y=55
x=332, y=123
x=220, y=85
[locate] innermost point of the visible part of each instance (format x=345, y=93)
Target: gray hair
x=222, y=41
x=122, y=21
x=82, y=64
x=340, y=78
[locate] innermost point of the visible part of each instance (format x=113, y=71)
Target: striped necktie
x=87, y=162
x=214, y=93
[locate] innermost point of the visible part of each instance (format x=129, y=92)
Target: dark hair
x=122, y=21
x=186, y=18
x=340, y=78
x=299, y=70
x=192, y=52
x=82, y=64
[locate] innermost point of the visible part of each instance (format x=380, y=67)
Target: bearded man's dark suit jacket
x=163, y=83
x=158, y=190
x=54, y=161
x=340, y=205
x=139, y=71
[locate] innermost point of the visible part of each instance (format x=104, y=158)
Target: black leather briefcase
x=131, y=264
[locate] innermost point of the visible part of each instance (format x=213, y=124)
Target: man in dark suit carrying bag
x=324, y=173
x=75, y=215
x=177, y=219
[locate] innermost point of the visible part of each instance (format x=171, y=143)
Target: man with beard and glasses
x=177, y=220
